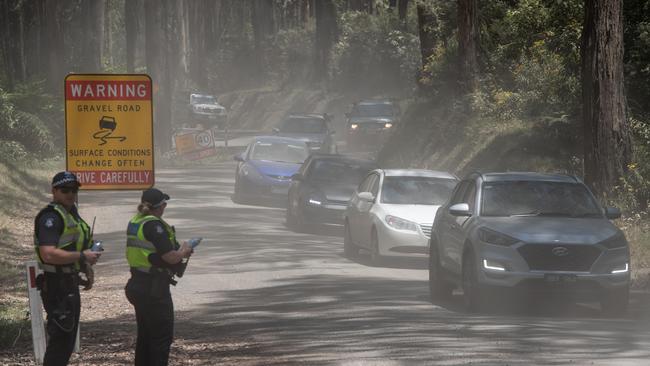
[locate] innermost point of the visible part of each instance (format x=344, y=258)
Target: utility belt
x=154, y=273
x=50, y=268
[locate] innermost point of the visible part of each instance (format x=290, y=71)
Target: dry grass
x=24, y=190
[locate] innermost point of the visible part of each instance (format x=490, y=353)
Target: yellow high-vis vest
x=75, y=231
x=138, y=247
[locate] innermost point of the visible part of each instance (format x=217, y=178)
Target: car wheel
x=237, y=195
x=471, y=287
x=614, y=303
x=375, y=257
x=289, y=218
x=349, y=249
x=439, y=289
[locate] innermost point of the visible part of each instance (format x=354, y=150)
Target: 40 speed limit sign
x=204, y=139
x=194, y=145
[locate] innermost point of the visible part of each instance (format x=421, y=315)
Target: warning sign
x=109, y=130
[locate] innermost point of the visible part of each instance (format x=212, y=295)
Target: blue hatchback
x=265, y=168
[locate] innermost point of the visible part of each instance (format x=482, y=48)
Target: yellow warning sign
x=109, y=130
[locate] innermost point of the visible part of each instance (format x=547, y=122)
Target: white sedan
x=392, y=211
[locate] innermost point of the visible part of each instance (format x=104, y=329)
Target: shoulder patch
x=159, y=229
x=49, y=222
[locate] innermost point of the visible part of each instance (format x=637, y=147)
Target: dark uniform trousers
x=154, y=313
x=60, y=295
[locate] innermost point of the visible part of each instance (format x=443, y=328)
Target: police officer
x=154, y=256
x=62, y=242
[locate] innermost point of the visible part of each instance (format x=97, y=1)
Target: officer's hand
x=186, y=250
x=91, y=257
x=90, y=278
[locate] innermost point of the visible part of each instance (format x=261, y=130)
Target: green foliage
x=27, y=121
x=290, y=55
x=637, y=53
x=532, y=61
x=633, y=192
x=375, y=52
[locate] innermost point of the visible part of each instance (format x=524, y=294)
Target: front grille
x=426, y=230
x=576, y=258
x=371, y=127
x=280, y=177
x=337, y=202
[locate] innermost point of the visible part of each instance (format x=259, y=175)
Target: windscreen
x=339, y=172
x=536, y=198
x=303, y=125
x=373, y=110
x=203, y=99
x=416, y=190
x=277, y=151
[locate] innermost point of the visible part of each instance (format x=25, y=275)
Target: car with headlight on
x=369, y=123
x=312, y=128
x=265, y=168
x=206, y=110
x=392, y=211
x=321, y=189
x=528, y=234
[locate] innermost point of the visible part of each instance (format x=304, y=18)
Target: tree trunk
x=108, y=36
x=92, y=14
x=41, y=38
x=131, y=15
x=607, y=141
x=402, y=9
x=326, y=33
x=262, y=22
x=197, y=43
x=468, y=45
x=55, y=45
x=427, y=24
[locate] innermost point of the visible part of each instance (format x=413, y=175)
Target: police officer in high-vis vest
x=155, y=257
x=62, y=244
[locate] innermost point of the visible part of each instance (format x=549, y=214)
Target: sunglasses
x=66, y=190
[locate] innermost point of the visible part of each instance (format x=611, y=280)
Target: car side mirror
x=460, y=209
x=297, y=177
x=612, y=213
x=366, y=196
x=276, y=130
x=238, y=157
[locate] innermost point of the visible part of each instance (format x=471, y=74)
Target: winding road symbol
x=107, y=125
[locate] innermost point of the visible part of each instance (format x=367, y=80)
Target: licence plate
x=280, y=190
x=560, y=278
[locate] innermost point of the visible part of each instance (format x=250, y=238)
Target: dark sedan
x=313, y=129
x=321, y=189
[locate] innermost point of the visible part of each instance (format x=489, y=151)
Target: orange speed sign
x=109, y=130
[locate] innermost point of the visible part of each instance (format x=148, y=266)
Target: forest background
x=483, y=84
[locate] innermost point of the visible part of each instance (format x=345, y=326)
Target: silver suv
x=531, y=232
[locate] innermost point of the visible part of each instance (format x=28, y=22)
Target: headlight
x=616, y=241
x=493, y=237
x=388, y=125
x=490, y=264
x=354, y=126
x=314, y=145
x=401, y=224
x=316, y=199
x=621, y=269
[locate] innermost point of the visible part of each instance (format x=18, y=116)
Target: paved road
x=294, y=299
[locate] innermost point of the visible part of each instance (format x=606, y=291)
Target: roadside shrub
x=373, y=51
x=633, y=191
x=35, y=131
